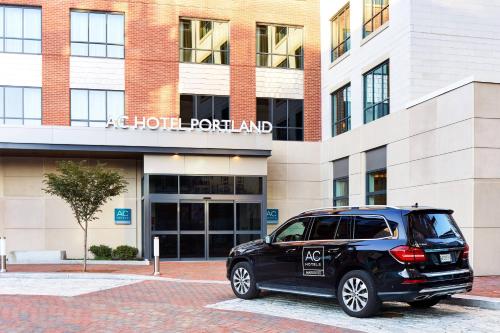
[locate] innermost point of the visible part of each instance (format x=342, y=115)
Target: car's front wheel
x=243, y=281
x=357, y=294
x=425, y=303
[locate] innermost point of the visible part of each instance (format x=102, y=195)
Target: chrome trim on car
x=444, y=273
x=298, y=292
x=462, y=286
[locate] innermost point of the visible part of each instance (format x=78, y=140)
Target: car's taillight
x=465, y=252
x=408, y=254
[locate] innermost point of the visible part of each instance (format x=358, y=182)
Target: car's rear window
x=433, y=225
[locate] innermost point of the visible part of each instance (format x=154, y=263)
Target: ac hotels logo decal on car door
x=313, y=261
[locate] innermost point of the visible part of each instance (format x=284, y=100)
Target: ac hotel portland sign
x=203, y=125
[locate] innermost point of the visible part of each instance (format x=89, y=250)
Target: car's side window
x=344, y=228
x=370, y=227
x=324, y=227
x=293, y=232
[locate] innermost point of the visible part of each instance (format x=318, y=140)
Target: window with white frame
x=93, y=108
x=20, y=29
x=97, y=34
x=20, y=105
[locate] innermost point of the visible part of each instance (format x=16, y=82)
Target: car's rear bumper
x=426, y=292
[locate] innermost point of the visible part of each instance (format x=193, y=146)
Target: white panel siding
x=20, y=70
x=97, y=73
x=279, y=83
x=204, y=79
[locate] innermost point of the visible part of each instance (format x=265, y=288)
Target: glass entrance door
x=203, y=229
x=220, y=228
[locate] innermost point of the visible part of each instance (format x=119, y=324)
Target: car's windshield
x=433, y=225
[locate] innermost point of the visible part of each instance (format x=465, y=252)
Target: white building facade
x=416, y=121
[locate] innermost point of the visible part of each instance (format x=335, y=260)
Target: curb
x=80, y=262
x=110, y=276
x=490, y=303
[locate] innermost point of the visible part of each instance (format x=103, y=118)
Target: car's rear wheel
x=243, y=281
x=425, y=303
x=357, y=294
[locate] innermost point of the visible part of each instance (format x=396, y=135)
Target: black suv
x=360, y=255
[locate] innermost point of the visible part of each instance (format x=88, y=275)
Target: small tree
x=85, y=188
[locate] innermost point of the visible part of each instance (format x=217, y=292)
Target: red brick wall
x=152, y=56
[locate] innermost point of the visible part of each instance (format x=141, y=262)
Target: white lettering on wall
x=204, y=125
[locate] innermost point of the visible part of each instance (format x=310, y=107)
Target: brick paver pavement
x=488, y=286
x=148, y=306
x=190, y=270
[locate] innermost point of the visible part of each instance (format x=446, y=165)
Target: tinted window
x=370, y=228
x=163, y=184
x=248, y=216
x=207, y=185
x=164, y=216
x=344, y=228
x=293, y=232
x=248, y=185
x=324, y=227
x=434, y=225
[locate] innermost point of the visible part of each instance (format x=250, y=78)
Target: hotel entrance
x=206, y=218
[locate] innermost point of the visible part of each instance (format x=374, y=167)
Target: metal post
x=3, y=255
x=156, y=253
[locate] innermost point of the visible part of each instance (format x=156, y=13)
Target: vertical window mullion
x=106, y=97
x=106, y=36
x=22, y=95
x=88, y=106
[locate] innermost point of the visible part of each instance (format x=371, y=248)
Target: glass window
x=192, y=216
x=220, y=245
x=248, y=185
x=294, y=231
x=376, y=13
x=207, y=185
x=204, y=41
x=203, y=107
x=20, y=29
x=163, y=216
x=286, y=115
x=96, y=34
x=163, y=184
x=376, y=188
x=280, y=46
x=248, y=216
x=341, y=33
x=376, y=96
x=221, y=216
x=168, y=246
x=20, y=105
x=94, y=107
x=341, y=110
x=324, y=227
x=341, y=191
x=367, y=227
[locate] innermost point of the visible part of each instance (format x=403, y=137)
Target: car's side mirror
x=267, y=239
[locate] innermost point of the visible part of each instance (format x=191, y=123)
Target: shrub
x=101, y=251
x=125, y=252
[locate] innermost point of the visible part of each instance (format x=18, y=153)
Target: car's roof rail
x=342, y=207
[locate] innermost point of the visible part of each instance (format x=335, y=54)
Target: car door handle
x=292, y=250
x=332, y=251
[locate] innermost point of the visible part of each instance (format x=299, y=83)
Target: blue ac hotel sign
x=123, y=216
x=272, y=216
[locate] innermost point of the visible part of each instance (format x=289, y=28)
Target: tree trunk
x=85, y=247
